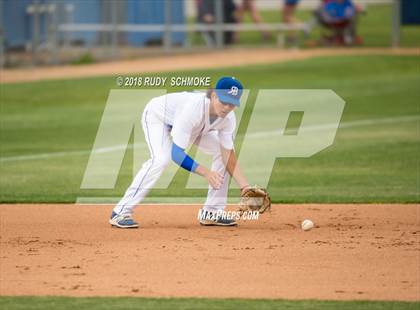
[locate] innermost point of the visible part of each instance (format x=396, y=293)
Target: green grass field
x=374, y=26
x=38, y=303
x=373, y=163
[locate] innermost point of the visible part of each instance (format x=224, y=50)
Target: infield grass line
x=116, y=303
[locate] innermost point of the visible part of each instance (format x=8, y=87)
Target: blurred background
x=48, y=32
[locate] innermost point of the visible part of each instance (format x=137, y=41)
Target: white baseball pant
x=159, y=142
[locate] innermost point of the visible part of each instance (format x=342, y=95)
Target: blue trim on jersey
x=182, y=159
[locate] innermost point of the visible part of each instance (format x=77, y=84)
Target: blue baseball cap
x=229, y=90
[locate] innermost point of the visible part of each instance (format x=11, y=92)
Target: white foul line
x=359, y=123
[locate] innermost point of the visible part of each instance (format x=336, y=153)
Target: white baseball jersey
x=188, y=115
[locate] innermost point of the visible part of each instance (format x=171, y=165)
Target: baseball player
x=173, y=122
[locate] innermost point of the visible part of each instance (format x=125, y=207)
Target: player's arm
x=181, y=135
x=228, y=154
x=181, y=158
x=232, y=166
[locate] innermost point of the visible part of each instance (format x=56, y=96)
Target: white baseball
x=307, y=225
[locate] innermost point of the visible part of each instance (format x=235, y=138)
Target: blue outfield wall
x=152, y=12
x=18, y=25
x=85, y=12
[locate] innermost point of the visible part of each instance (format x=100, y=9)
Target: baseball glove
x=255, y=199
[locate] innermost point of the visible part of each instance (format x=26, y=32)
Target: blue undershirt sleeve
x=182, y=159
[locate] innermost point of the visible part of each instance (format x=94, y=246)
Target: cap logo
x=233, y=91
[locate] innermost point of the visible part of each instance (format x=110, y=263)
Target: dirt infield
x=355, y=252
x=201, y=60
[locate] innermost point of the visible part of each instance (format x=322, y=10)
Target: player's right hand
x=215, y=179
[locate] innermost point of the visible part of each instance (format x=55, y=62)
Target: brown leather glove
x=254, y=198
